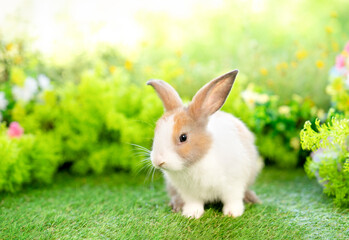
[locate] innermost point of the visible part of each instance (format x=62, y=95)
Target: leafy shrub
x=26, y=159
x=331, y=159
x=275, y=124
x=96, y=121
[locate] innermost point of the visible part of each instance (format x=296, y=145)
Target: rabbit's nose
x=158, y=162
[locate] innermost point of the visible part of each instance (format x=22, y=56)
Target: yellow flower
x=301, y=54
x=10, y=46
x=338, y=86
x=264, y=71
x=320, y=64
x=112, y=69
x=334, y=14
x=329, y=29
x=335, y=88
x=128, y=65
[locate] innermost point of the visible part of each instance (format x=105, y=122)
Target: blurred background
x=271, y=42
x=73, y=73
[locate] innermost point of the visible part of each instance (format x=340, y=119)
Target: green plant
x=96, y=121
x=330, y=161
x=26, y=159
x=275, y=123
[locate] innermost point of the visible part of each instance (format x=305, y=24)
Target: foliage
x=96, y=121
x=329, y=162
x=26, y=159
x=330, y=144
x=276, y=125
x=21, y=78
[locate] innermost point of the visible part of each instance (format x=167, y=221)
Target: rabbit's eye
x=183, y=137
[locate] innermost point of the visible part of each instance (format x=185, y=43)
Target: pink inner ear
x=210, y=98
x=217, y=96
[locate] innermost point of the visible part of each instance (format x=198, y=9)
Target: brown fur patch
x=198, y=139
x=251, y=197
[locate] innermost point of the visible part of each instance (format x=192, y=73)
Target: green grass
x=120, y=206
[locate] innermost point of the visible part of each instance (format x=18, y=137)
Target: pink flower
x=15, y=130
x=340, y=61
x=346, y=48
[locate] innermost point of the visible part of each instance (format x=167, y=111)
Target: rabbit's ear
x=211, y=97
x=167, y=94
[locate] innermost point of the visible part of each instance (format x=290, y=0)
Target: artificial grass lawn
x=120, y=206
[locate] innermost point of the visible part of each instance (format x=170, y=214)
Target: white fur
x=163, y=149
x=223, y=174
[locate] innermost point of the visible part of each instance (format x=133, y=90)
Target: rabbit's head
x=181, y=137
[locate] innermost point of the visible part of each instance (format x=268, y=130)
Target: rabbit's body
x=206, y=155
x=227, y=165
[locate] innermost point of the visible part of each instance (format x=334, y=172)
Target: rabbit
x=206, y=155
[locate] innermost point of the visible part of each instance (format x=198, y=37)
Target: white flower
x=251, y=97
x=44, y=82
x=3, y=101
x=27, y=92
x=262, y=98
x=335, y=73
x=284, y=110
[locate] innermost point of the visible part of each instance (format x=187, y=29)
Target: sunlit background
x=256, y=36
x=59, y=27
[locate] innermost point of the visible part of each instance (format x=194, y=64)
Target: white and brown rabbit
x=206, y=155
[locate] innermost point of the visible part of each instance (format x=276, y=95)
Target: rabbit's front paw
x=193, y=210
x=234, y=209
